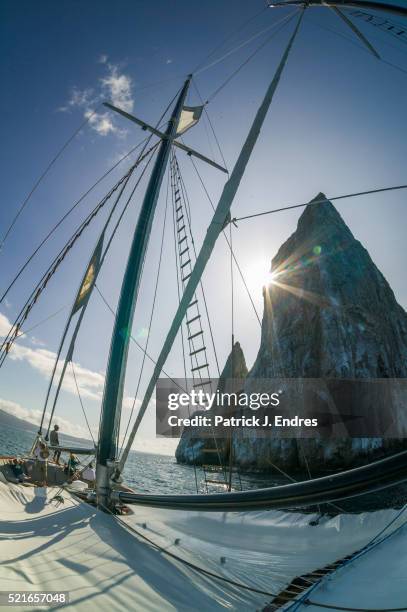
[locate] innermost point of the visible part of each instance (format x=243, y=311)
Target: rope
x=59, y=223
x=353, y=42
x=62, y=219
x=307, y=602
x=189, y=220
x=232, y=289
x=179, y=179
x=192, y=566
x=285, y=21
x=137, y=343
x=81, y=403
x=367, y=548
x=54, y=314
x=389, y=24
x=145, y=140
x=102, y=259
x=240, y=46
x=225, y=40
x=34, y=296
x=178, y=280
x=206, y=115
x=322, y=201
x=42, y=176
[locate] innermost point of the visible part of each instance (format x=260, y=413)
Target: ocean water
x=144, y=472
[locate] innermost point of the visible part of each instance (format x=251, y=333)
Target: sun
x=258, y=274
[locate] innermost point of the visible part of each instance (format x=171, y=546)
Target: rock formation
x=328, y=313
x=197, y=445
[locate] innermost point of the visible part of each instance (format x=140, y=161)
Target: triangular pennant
x=89, y=277
x=190, y=115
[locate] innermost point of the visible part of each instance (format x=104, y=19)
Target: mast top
x=360, y=4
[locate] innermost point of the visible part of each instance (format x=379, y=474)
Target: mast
x=116, y=369
x=219, y=221
x=360, y=4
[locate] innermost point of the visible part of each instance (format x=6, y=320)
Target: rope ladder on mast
x=199, y=364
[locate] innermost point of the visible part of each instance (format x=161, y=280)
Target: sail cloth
x=89, y=277
x=80, y=303
x=77, y=548
x=190, y=115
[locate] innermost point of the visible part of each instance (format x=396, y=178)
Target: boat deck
x=55, y=473
x=46, y=545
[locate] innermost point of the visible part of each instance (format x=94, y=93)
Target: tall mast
x=360, y=4
x=219, y=220
x=116, y=369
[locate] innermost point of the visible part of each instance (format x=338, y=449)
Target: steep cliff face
x=197, y=445
x=330, y=313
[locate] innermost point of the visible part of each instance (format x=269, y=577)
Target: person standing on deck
x=89, y=475
x=54, y=440
x=41, y=453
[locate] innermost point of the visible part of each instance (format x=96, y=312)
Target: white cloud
x=34, y=416
x=42, y=360
x=101, y=122
x=115, y=86
x=169, y=61
x=5, y=325
x=118, y=87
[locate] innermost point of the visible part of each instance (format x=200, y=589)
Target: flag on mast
x=190, y=115
x=89, y=277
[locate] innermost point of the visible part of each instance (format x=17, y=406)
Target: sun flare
x=258, y=274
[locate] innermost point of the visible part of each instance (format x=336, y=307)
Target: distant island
x=7, y=419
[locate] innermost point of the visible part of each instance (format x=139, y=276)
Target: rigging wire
x=385, y=25
x=57, y=225
x=239, y=46
x=136, y=342
x=246, y=587
x=189, y=220
x=208, y=119
x=41, y=285
x=42, y=176
x=51, y=316
x=366, y=549
x=354, y=42
x=228, y=243
x=282, y=22
x=229, y=37
x=177, y=181
x=232, y=288
x=81, y=402
x=177, y=272
x=291, y=479
x=308, y=602
x=232, y=368
x=62, y=219
x=102, y=259
x=321, y=201
x=192, y=566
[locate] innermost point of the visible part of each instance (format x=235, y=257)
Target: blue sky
x=337, y=126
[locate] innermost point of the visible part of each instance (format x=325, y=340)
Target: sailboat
x=110, y=546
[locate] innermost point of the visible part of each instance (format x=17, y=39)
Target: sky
x=336, y=126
